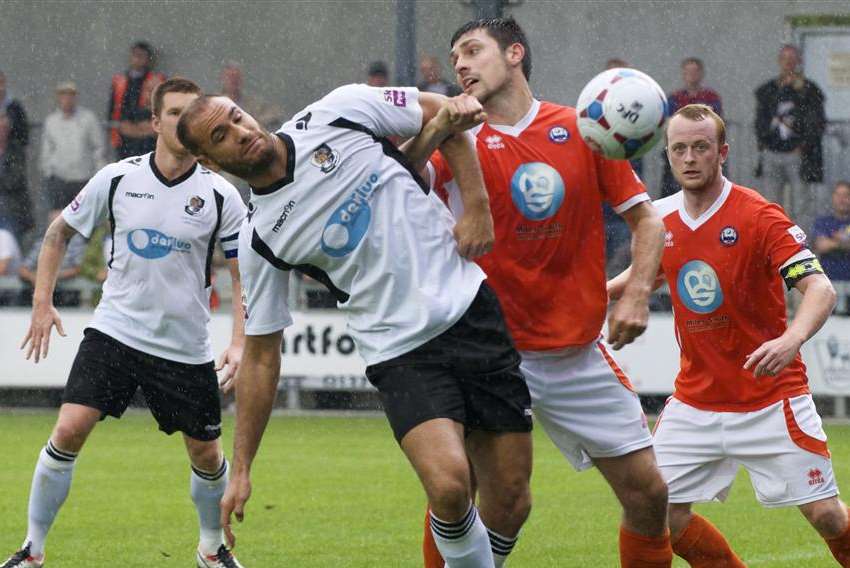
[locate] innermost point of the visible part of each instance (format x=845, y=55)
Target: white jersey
x=156, y=294
x=351, y=214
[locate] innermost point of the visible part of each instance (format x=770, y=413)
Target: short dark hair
x=695, y=60
x=144, y=46
x=184, y=124
x=173, y=85
x=506, y=32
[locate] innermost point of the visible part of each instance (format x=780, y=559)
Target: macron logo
x=287, y=209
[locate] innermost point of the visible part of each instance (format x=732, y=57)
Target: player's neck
x=170, y=165
x=699, y=201
x=509, y=106
x=276, y=170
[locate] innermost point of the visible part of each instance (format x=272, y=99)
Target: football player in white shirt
x=332, y=198
x=149, y=330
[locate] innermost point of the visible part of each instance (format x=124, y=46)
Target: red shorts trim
x=621, y=376
x=799, y=437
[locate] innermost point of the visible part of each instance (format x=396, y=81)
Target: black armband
x=796, y=271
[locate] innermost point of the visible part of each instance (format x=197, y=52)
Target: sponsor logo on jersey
x=349, y=222
x=559, y=134
x=395, y=97
x=325, y=158
x=699, y=288
x=668, y=239
x=287, y=209
x=77, y=201
x=537, y=190
x=195, y=205
x=494, y=142
x=728, y=236
x=136, y=195
x=150, y=243
x=797, y=234
x=815, y=477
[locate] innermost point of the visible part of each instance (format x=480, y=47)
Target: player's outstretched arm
x=232, y=356
x=256, y=389
x=818, y=302
x=630, y=315
x=44, y=315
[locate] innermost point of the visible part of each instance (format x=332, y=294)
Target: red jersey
x=546, y=190
x=728, y=296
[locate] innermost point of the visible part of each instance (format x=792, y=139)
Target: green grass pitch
x=336, y=492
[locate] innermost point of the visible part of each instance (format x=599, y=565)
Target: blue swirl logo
x=699, y=287
x=349, y=222
x=537, y=190
x=150, y=243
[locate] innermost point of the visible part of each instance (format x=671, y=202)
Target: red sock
x=840, y=547
x=430, y=554
x=703, y=546
x=638, y=551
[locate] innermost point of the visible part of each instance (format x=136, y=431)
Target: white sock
x=463, y=544
x=207, y=489
x=501, y=546
x=51, y=483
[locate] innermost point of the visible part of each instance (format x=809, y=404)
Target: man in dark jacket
x=15, y=204
x=790, y=123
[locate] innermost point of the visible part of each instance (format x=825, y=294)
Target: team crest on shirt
x=195, y=205
x=325, y=158
x=559, y=134
x=728, y=236
x=537, y=190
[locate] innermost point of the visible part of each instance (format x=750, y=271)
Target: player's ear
x=724, y=153
x=515, y=53
x=208, y=163
x=156, y=124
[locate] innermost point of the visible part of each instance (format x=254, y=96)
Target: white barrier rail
x=319, y=354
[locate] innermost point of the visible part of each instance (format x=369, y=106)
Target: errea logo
x=815, y=476
x=494, y=142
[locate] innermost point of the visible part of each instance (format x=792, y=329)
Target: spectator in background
x=832, y=239
x=692, y=92
x=270, y=116
x=72, y=149
x=790, y=122
x=69, y=269
x=10, y=253
x=15, y=204
x=129, y=104
x=431, y=75
x=377, y=74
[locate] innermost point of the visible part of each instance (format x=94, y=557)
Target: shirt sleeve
x=232, y=215
x=781, y=238
x=386, y=111
x=265, y=290
x=86, y=210
x=439, y=175
x=620, y=185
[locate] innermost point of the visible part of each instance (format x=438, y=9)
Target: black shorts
x=60, y=193
x=181, y=396
x=469, y=373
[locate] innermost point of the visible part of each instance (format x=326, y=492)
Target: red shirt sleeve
x=781, y=238
x=440, y=175
x=619, y=183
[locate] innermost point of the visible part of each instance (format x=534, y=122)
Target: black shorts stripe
x=388, y=147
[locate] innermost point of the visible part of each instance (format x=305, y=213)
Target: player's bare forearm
x=256, y=389
x=237, y=335
x=474, y=231
x=419, y=148
x=617, y=284
x=50, y=258
x=647, y=247
x=819, y=299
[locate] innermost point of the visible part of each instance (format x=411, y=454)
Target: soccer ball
x=621, y=112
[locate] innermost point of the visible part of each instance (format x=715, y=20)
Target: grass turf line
x=337, y=492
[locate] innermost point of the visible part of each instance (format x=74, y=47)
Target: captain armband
x=798, y=270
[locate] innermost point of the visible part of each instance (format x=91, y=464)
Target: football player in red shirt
x=741, y=396
x=546, y=190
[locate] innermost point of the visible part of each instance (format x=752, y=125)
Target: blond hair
x=698, y=112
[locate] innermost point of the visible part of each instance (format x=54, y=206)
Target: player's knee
x=205, y=456
x=449, y=497
x=514, y=499
x=69, y=435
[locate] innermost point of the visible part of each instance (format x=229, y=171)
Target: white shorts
x=585, y=403
x=782, y=446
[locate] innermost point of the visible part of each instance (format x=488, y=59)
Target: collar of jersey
x=164, y=180
x=290, y=168
x=695, y=224
x=520, y=126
